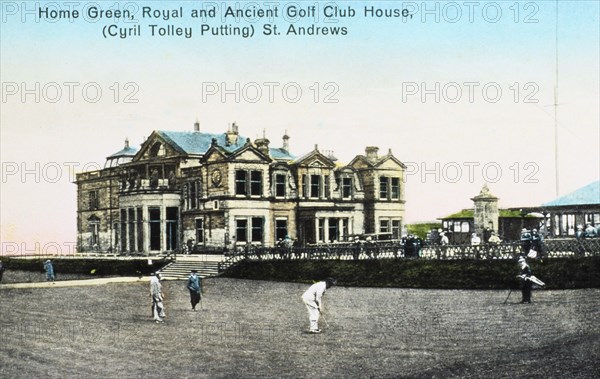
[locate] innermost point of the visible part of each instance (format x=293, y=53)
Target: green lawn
x=255, y=329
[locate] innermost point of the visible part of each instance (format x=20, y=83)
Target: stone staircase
x=206, y=265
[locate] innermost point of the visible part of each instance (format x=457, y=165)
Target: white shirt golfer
x=158, y=309
x=312, y=300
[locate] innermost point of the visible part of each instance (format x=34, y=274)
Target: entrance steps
x=206, y=265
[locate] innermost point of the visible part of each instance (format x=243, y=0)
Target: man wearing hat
x=312, y=300
x=194, y=285
x=49, y=270
x=525, y=241
x=590, y=231
x=158, y=309
x=525, y=279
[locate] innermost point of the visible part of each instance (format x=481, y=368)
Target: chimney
x=231, y=137
x=286, y=142
x=262, y=144
x=371, y=152
x=196, y=126
x=330, y=155
x=127, y=143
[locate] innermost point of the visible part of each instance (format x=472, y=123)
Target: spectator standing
x=494, y=239
x=444, y=239
x=194, y=285
x=525, y=241
x=190, y=246
x=49, y=268
x=590, y=231
x=158, y=308
x=475, y=240
x=537, y=242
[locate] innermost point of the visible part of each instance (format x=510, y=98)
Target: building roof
x=465, y=213
x=377, y=162
x=197, y=143
x=124, y=152
x=502, y=213
x=485, y=194
x=280, y=153
x=589, y=194
x=315, y=153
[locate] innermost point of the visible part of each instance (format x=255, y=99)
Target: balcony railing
x=555, y=248
x=148, y=185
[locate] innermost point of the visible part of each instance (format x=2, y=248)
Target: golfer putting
x=312, y=298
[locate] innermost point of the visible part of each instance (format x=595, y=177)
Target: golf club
x=508, y=296
x=324, y=319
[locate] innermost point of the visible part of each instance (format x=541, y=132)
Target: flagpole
x=556, y=168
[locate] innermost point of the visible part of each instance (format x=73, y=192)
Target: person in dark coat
x=590, y=231
x=357, y=248
x=409, y=246
x=525, y=241
x=526, y=283
x=194, y=285
x=536, y=242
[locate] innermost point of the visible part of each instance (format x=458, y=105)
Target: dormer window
x=280, y=185
x=346, y=188
x=315, y=186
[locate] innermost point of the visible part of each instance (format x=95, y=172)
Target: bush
x=96, y=267
x=460, y=274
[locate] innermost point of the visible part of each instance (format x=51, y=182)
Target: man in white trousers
x=312, y=300
x=158, y=308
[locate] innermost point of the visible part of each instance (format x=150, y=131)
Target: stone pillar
x=163, y=228
x=125, y=226
x=317, y=230
x=486, y=212
x=146, y=229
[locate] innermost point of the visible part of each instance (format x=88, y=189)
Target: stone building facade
x=222, y=190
